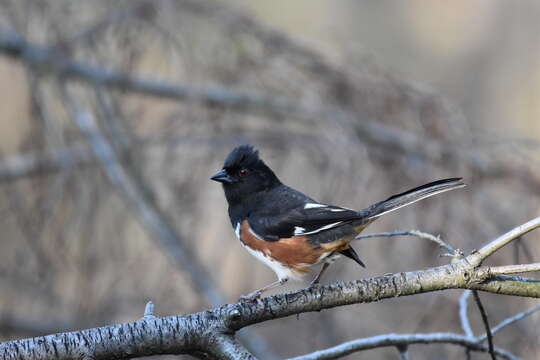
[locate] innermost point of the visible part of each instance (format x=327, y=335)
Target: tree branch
x=485, y=321
x=403, y=351
x=514, y=269
x=20, y=165
x=15, y=166
x=225, y=346
x=416, y=233
x=463, y=315
x=504, y=239
x=149, y=309
x=145, y=210
x=386, y=340
x=509, y=321
x=212, y=331
x=191, y=333
x=48, y=60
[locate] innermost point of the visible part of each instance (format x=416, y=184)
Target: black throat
x=242, y=203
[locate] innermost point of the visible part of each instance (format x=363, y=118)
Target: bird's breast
x=290, y=257
x=295, y=253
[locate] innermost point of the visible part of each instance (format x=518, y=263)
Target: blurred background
x=105, y=200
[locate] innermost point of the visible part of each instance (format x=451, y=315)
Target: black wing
x=308, y=219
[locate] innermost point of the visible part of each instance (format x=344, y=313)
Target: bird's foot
x=251, y=296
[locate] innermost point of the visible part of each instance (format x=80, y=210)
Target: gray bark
x=211, y=332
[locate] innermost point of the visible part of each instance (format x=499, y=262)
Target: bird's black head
x=244, y=174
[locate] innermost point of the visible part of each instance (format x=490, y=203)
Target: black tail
x=411, y=196
x=351, y=254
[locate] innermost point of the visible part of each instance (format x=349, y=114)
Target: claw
x=257, y=294
x=314, y=284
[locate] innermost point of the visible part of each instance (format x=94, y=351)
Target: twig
x=509, y=321
x=514, y=269
x=416, y=233
x=178, y=333
x=504, y=239
x=463, y=316
x=149, y=309
x=26, y=164
x=44, y=59
x=225, y=346
x=47, y=60
x=153, y=219
x=503, y=277
x=403, y=352
x=486, y=324
x=401, y=340
x=147, y=213
x=16, y=166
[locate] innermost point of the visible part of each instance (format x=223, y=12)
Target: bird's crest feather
x=242, y=156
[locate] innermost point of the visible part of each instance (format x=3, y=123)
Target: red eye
x=243, y=172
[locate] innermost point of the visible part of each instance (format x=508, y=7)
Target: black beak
x=222, y=177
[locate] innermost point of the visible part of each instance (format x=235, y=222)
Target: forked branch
x=212, y=331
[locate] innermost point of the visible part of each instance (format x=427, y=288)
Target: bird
x=289, y=231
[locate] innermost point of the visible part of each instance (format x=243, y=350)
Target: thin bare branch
x=225, y=346
x=506, y=287
x=400, y=340
x=460, y=274
x=515, y=278
x=485, y=320
x=15, y=166
x=149, y=309
x=224, y=321
x=148, y=213
x=416, y=233
x=514, y=269
x=44, y=59
x=20, y=165
x=145, y=210
x=509, y=321
x=403, y=351
x=463, y=316
x=504, y=239
x=48, y=60
x=230, y=318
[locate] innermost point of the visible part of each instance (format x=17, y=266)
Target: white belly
x=282, y=271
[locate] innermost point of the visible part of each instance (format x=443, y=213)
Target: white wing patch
x=325, y=227
x=330, y=208
x=314, y=205
x=298, y=230
x=237, y=230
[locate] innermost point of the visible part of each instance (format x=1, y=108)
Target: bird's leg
x=315, y=281
x=257, y=293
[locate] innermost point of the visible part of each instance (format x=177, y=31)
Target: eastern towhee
x=289, y=231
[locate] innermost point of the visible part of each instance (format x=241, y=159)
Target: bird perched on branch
x=289, y=231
